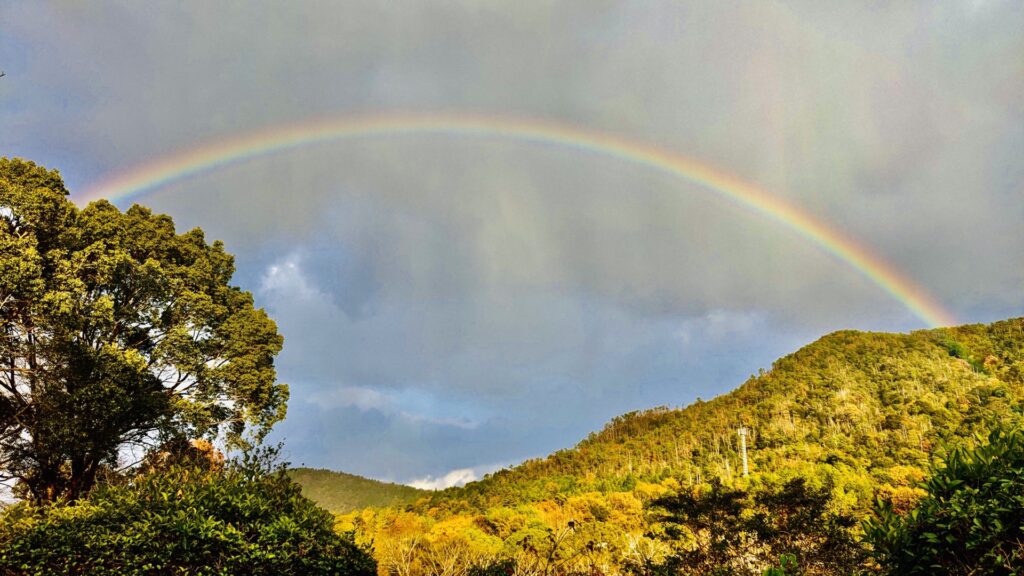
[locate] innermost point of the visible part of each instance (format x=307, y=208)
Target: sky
x=452, y=304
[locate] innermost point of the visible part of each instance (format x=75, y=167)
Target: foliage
x=191, y=517
x=970, y=522
x=340, y=492
x=710, y=529
x=545, y=538
x=504, y=567
x=787, y=566
x=722, y=530
x=117, y=331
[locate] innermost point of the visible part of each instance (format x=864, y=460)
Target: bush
x=243, y=517
x=970, y=522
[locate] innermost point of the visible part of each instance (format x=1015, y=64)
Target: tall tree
x=115, y=333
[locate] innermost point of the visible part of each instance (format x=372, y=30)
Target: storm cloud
x=453, y=304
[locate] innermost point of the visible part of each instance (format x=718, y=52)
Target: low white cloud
x=285, y=278
x=458, y=477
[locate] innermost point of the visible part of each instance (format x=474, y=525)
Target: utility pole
x=743, y=447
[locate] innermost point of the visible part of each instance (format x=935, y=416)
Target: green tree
x=115, y=332
x=188, y=517
x=732, y=531
x=971, y=521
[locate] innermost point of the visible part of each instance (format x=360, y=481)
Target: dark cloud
x=448, y=300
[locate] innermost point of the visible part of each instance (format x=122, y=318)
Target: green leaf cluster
x=970, y=522
x=242, y=518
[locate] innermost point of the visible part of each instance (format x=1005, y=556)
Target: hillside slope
x=339, y=492
x=868, y=407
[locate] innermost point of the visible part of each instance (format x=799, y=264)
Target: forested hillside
x=848, y=423
x=340, y=492
x=875, y=404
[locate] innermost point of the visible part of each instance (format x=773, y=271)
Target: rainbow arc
x=147, y=178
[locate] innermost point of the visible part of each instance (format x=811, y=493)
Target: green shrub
x=239, y=518
x=971, y=521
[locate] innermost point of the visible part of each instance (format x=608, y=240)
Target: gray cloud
x=445, y=299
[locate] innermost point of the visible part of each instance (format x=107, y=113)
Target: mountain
x=339, y=492
x=852, y=419
x=866, y=408
x=859, y=408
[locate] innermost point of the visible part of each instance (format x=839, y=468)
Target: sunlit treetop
x=118, y=332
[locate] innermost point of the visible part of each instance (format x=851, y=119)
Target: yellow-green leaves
x=120, y=331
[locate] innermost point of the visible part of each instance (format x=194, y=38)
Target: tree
x=117, y=333
x=189, y=516
x=724, y=530
x=970, y=522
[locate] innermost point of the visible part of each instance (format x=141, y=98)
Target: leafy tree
x=726, y=530
x=708, y=526
x=192, y=516
x=116, y=332
x=970, y=522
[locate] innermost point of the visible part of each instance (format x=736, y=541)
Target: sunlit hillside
x=874, y=405
x=843, y=431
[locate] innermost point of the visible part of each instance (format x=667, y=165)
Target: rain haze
x=454, y=302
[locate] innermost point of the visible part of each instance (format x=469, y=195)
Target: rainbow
x=190, y=163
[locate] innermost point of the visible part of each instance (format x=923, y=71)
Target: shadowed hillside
x=340, y=492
